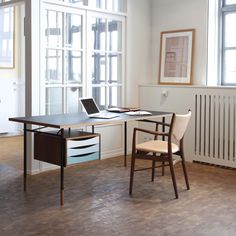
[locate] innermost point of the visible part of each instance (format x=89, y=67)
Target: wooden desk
x=76, y=120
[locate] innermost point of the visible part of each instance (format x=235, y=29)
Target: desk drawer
x=82, y=150
x=73, y=143
x=82, y=158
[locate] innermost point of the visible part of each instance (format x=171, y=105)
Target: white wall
x=138, y=48
x=181, y=14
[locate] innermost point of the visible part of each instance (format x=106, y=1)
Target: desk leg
x=62, y=167
x=163, y=138
x=125, y=144
x=62, y=185
x=93, y=129
x=25, y=158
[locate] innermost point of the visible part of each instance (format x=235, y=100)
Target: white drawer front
x=82, y=150
x=82, y=142
x=83, y=158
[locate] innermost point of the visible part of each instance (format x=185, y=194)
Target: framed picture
x=176, y=53
x=7, y=38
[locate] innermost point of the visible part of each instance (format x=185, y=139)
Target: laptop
x=93, y=111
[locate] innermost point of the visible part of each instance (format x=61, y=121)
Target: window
x=110, y=5
x=106, y=60
x=64, y=56
x=83, y=55
x=221, y=43
x=7, y=37
x=228, y=42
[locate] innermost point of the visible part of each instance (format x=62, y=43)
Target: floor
x=97, y=200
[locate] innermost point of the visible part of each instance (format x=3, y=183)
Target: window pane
x=227, y=2
x=53, y=73
x=98, y=34
x=73, y=62
x=53, y=31
x=114, y=68
x=230, y=30
x=6, y=37
x=72, y=97
x=114, y=35
x=115, y=5
x=114, y=97
x=98, y=68
x=53, y=101
x=230, y=66
x=99, y=95
x=76, y=2
x=73, y=31
x=98, y=3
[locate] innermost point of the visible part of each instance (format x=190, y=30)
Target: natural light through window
x=83, y=53
x=222, y=43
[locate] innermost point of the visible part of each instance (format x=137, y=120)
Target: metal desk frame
x=77, y=120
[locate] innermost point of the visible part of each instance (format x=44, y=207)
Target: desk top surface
x=76, y=120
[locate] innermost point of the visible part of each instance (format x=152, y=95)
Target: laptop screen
x=89, y=105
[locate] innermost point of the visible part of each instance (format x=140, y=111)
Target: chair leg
x=185, y=171
x=153, y=170
x=131, y=174
x=163, y=168
x=173, y=177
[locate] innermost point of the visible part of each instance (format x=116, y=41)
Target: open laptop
x=93, y=111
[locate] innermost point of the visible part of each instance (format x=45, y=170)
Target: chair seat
x=156, y=146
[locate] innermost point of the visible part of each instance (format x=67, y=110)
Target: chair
x=162, y=151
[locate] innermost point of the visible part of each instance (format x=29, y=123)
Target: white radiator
x=214, y=134
x=211, y=134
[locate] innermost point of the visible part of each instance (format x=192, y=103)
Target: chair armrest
x=151, y=132
x=156, y=122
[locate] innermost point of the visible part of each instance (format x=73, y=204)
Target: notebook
x=93, y=111
x=138, y=113
x=123, y=109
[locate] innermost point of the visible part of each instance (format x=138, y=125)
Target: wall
x=180, y=14
x=138, y=48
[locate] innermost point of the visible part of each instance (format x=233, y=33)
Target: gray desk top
x=77, y=120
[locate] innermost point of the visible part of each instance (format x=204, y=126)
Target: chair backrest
x=180, y=124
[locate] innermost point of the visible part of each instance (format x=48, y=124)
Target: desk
x=76, y=120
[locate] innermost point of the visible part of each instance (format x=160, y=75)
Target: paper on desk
x=137, y=113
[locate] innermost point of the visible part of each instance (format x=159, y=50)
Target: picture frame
x=7, y=38
x=176, y=56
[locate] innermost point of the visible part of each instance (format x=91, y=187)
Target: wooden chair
x=160, y=150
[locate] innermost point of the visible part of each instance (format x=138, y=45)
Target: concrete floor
x=97, y=200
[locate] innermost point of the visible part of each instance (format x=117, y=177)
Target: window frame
x=223, y=12
x=63, y=84
x=106, y=51
x=86, y=86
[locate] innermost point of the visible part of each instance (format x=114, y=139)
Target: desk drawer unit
x=81, y=150
x=76, y=147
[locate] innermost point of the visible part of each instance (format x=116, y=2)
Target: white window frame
x=86, y=13
x=107, y=16
x=65, y=9
x=225, y=9
x=216, y=45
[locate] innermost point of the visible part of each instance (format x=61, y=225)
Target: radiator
x=214, y=129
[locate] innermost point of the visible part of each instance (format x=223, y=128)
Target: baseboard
x=215, y=165
x=11, y=134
